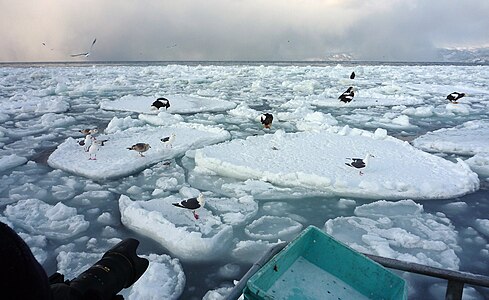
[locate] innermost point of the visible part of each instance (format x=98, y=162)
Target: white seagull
x=86, y=54
x=359, y=163
x=192, y=204
x=88, y=142
x=92, y=149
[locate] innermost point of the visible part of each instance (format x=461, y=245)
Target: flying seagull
x=453, y=97
x=359, y=163
x=140, y=147
x=86, y=54
x=192, y=204
x=347, y=95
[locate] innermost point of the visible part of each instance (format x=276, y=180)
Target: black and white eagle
x=266, y=119
x=347, y=95
x=453, y=97
x=161, y=102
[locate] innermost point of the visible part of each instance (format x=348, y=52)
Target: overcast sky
x=407, y=30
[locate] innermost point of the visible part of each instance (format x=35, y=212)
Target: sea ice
x=176, y=229
x=272, y=227
x=479, y=163
x=321, y=165
x=115, y=160
x=358, y=102
x=470, y=138
x=11, y=161
x=400, y=230
x=53, y=221
x=164, y=278
x=179, y=104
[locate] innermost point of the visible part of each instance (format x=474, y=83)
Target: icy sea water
x=43, y=105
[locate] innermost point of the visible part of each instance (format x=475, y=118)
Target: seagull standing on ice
x=87, y=142
x=140, y=148
x=266, y=119
x=161, y=102
x=192, y=204
x=453, y=97
x=86, y=54
x=92, y=150
x=348, y=95
x=359, y=163
x=169, y=140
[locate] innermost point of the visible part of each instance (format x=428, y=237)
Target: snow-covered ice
x=400, y=230
x=176, y=229
x=470, y=138
x=113, y=159
x=179, y=104
x=262, y=186
x=321, y=166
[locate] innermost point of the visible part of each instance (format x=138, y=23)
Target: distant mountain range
x=460, y=55
x=469, y=55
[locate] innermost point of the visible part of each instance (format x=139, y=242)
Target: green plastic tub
x=316, y=266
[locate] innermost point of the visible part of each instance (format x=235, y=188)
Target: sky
x=220, y=30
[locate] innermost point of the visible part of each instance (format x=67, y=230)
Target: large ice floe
x=358, y=102
x=400, y=230
x=316, y=160
x=470, y=138
x=113, y=159
x=176, y=228
x=179, y=104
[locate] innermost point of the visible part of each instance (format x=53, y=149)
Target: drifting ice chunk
x=271, y=227
x=400, y=230
x=176, y=229
x=467, y=139
x=55, y=222
x=249, y=251
x=358, y=102
x=34, y=105
x=321, y=164
x=179, y=104
x=234, y=211
x=164, y=278
x=115, y=160
x=11, y=161
x=479, y=163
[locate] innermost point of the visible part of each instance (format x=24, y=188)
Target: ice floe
x=479, y=163
x=400, y=230
x=113, y=159
x=179, y=104
x=358, y=102
x=164, y=278
x=53, y=221
x=321, y=164
x=273, y=227
x=470, y=138
x=176, y=229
